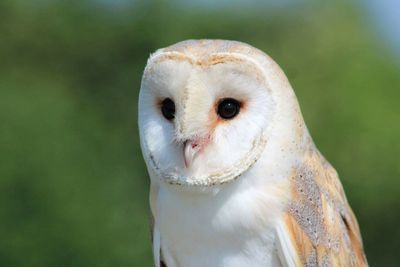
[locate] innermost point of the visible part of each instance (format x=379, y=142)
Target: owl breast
x=227, y=228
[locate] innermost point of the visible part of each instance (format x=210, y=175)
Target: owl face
x=203, y=120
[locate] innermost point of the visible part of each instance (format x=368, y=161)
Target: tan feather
x=319, y=220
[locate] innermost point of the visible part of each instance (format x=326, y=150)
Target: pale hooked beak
x=191, y=148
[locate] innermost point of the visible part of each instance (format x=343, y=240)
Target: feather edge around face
x=236, y=52
x=225, y=176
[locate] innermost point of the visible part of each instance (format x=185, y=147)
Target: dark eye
x=228, y=108
x=168, y=108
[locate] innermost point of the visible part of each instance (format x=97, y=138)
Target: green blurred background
x=73, y=185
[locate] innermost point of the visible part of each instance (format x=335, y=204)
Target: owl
x=236, y=179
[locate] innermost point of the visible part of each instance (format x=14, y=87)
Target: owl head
x=208, y=109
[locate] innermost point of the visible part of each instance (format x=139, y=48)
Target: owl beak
x=190, y=149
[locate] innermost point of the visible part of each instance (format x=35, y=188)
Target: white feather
x=156, y=246
x=226, y=209
x=286, y=251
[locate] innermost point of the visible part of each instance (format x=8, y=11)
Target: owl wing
x=319, y=227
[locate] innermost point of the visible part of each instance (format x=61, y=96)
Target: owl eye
x=228, y=108
x=168, y=108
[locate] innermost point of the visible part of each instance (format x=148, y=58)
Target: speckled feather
x=319, y=220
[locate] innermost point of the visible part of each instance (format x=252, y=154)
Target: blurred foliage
x=73, y=185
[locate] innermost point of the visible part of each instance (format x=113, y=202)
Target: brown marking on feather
x=302, y=242
x=203, y=48
x=206, y=53
x=175, y=57
x=307, y=209
x=209, y=60
x=321, y=224
x=355, y=238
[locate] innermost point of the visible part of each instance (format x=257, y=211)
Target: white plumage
x=234, y=191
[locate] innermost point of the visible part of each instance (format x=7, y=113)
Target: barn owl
x=236, y=179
